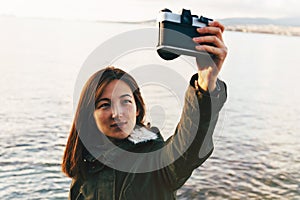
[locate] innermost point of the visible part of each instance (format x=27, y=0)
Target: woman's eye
x=103, y=105
x=126, y=101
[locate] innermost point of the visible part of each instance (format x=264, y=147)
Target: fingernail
x=198, y=47
x=196, y=39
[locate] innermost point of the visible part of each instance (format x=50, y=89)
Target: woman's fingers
x=217, y=24
x=214, y=28
x=212, y=40
x=211, y=31
x=215, y=41
x=219, y=52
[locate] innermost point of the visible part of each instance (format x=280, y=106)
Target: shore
x=237, y=27
x=247, y=28
x=267, y=29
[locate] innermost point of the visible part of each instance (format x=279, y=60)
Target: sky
x=138, y=10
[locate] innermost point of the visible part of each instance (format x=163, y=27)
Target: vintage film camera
x=176, y=33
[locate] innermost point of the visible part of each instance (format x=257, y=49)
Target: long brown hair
x=84, y=125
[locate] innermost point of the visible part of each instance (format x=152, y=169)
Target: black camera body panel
x=176, y=33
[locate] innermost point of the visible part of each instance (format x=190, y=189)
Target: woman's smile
x=118, y=125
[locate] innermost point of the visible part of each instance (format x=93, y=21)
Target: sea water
x=257, y=147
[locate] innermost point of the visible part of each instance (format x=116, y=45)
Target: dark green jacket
x=189, y=147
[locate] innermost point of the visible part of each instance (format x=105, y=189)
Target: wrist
x=219, y=87
x=207, y=86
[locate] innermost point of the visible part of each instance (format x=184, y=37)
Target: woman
x=111, y=154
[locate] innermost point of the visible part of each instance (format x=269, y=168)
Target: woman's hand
x=208, y=69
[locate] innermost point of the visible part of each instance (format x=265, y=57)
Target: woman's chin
x=120, y=135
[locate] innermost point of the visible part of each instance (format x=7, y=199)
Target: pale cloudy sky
x=136, y=10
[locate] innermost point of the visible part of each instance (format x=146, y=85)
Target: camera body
x=176, y=33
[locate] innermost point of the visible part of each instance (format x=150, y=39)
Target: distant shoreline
x=247, y=28
x=266, y=29
x=229, y=24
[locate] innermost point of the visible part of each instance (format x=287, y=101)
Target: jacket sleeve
x=192, y=142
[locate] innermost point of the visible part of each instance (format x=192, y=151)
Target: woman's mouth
x=118, y=125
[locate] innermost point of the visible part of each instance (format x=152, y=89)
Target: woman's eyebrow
x=103, y=99
x=125, y=95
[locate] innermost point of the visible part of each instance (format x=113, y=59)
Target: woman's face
x=116, y=110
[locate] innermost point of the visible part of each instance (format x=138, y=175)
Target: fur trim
x=142, y=134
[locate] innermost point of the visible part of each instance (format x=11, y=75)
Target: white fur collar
x=141, y=135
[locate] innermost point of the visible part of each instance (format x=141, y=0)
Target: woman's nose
x=117, y=111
